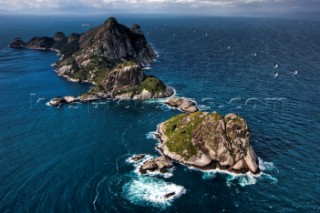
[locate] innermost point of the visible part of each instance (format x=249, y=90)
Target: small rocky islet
x=205, y=141
x=111, y=57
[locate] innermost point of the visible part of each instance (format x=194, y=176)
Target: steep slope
x=109, y=56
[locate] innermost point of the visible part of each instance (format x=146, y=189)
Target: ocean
x=76, y=158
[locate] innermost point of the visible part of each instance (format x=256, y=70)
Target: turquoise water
x=76, y=158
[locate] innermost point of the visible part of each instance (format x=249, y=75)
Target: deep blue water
x=75, y=158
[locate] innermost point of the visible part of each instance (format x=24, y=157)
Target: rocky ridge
x=110, y=56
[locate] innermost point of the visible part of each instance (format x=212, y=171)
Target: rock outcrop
x=56, y=101
x=208, y=141
x=184, y=104
x=17, y=43
x=138, y=157
x=110, y=56
x=66, y=99
x=161, y=164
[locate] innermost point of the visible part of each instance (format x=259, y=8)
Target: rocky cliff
x=207, y=140
x=109, y=56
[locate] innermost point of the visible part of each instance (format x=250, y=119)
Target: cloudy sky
x=204, y=7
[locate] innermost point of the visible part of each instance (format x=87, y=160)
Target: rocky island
x=205, y=141
x=110, y=56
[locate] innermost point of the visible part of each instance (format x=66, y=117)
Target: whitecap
x=231, y=178
x=97, y=192
x=265, y=166
x=147, y=68
x=152, y=191
x=295, y=72
x=241, y=179
x=151, y=135
x=203, y=107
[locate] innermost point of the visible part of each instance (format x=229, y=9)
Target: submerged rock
x=184, y=104
x=169, y=195
x=208, y=141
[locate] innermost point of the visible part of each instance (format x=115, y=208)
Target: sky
x=196, y=7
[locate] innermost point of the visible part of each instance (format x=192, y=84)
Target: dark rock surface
x=169, y=195
x=17, y=43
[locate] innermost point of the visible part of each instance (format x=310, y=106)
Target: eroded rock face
x=209, y=141
x=123, y=80
x=184, y=104
x=100, y=49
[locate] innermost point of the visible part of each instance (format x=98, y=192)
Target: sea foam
x=151, y=135
x=242, y=179
x=151, y=191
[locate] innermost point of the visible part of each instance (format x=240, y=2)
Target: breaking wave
x=152, y=191
x=243, y=179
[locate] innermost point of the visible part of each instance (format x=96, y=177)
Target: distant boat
x=295, y=72
x=85, y=25
x=255, y=54
x=206, y=34
x=276, y=75
x=228, y=47
x=276, y=66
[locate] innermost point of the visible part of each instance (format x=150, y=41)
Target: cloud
x=156, y=5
